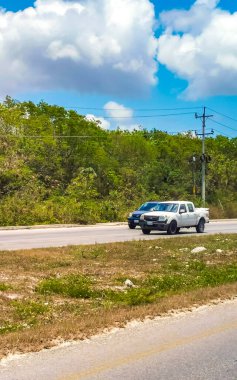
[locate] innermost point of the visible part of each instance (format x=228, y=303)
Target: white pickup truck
x=173, y=215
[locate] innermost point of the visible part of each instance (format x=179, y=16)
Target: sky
x=127, y=63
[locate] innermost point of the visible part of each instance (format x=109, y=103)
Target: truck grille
x=151, y=218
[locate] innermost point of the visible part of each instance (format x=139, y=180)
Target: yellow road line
x=155, y=350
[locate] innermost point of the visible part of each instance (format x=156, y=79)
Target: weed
x=10, y=327
x=167, y=283
x=4, y=287
x=131, y=297
x=25, y=310
x=216, y=275
x=196, y=265
x=76, y=286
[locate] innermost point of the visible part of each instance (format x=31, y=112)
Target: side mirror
x=182, y=211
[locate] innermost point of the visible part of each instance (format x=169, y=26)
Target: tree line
x=58, y=167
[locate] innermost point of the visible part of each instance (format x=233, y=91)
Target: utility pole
x=203, y=157
x=194, y=176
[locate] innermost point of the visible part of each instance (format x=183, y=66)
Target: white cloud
x=208, y=3
x=103, y=123
x=200, y=46
x=118, y=111
x=99, y=46
x=116, y=116
x=121, y=116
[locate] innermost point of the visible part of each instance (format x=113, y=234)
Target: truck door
x=192, y=215
x=183, y=216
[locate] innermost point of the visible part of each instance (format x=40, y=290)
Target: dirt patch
x=49, y=296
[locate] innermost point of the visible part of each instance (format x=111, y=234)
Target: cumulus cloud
x=93, y=46
x=102, y=122
x=118, y=111
x=121, y=116
x=200, y=46
x=116, y=116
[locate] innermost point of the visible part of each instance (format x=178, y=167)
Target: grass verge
x=51, y=295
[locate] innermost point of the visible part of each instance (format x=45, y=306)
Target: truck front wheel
x=146, y=232
x=172, y=229
x=201, y=226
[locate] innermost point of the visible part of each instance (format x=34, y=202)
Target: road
x=197, y=345
x=104, y=233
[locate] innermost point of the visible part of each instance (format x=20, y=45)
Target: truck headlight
x=162, y=218
x=142, y=217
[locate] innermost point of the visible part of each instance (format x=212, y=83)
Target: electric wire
x=223, y=125
x=97, y=117
x=222, y=114
x=224, y=134
x=52, y=136
x=124, y=117
x=134, y=109
x=147, y=116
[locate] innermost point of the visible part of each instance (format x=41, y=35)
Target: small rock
x=12, y=296
x=129, y=283
x=198, y=249
x=219, y=250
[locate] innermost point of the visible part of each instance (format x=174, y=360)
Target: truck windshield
x=147, y=206
x=169, y=207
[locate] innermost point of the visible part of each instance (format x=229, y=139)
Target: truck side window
x=183, y=208
x=190, y=207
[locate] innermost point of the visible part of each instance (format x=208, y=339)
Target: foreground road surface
x=105, y=233
x=198, y=345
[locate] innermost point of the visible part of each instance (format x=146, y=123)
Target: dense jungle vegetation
x=58, y=167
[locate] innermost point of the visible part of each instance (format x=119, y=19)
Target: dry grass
x=51, y=295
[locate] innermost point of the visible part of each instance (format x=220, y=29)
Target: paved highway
x=101, y=233
x=198, y=345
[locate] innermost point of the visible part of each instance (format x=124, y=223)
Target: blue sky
x=128, y=63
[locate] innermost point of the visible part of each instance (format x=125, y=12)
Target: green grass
x=4, y=287
x=76, y=291
x=182, y=278
x=74, y=285
x=11, y=327
x=29, y=310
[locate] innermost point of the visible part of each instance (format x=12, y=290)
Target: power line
x=223, y=125
x=216, y=130
x=52, y=136
x=222, y=114
x=134, y=109
x=95, y=137
x=147, y=116
x=117, y=117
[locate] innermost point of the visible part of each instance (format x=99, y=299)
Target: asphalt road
x=198, y=345
x=101, y=233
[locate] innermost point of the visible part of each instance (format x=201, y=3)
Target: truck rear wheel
x=201, y=226
x=172, y=229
